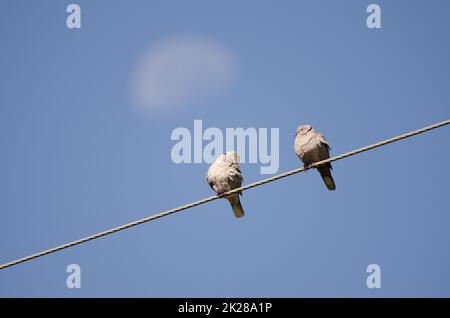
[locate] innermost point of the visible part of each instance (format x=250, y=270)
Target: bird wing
x=322, y=140
x=323, y=149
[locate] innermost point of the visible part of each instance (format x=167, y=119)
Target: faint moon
x=178, y=72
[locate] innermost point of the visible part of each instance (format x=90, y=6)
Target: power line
x=212, y=198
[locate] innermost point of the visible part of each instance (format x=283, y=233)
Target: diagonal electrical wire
x=212, y=198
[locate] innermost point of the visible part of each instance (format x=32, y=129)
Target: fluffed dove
x=224, y=175
x=311, y=146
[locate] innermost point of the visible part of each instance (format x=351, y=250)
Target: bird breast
x=306, y=148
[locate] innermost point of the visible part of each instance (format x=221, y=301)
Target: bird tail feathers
x=237, y=207
x=329, y=182
x=325, y=172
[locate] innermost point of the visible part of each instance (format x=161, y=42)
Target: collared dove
x=311, y=146
x=224, y=175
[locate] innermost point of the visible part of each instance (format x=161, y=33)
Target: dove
x=311, y=146
x=224, y=175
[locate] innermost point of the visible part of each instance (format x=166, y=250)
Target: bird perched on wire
x=224, y=175
x=311, y=146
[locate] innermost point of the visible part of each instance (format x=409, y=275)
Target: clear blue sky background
x=77, y=156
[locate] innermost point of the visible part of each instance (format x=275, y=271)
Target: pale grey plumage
x=224, y=175
x=311, y=146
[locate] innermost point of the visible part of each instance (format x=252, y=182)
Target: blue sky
x=79, y=155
